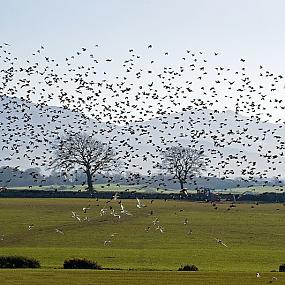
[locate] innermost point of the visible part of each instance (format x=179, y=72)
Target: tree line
x=81, y=159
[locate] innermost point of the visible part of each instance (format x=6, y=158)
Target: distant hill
x=236, y=146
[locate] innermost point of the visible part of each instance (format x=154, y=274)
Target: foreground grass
x=254, y=234
x=84, y=277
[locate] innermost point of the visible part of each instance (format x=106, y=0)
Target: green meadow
x=89, y=277
x=137, y=251
x=140, y=188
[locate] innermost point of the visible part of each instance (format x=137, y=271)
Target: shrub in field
x=188, y=267
x=18, y=262
x=282, y=268
x=80, y=263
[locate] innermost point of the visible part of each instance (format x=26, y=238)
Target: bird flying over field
x=60, y=231
x=30, y=227
x=139, y=204
x=219, y=241
x=124, y=211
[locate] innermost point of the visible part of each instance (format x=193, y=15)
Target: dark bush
x=188, y=267
x=282, y=268
x=80, y=263
x=18, y=262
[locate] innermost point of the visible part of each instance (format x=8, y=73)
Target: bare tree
x=183, y=163
x=82, y=151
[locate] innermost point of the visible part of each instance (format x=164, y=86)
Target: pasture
x=154, y=238
x=88, y=277
x=113, y=187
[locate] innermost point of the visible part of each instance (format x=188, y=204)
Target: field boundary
x=269, y=197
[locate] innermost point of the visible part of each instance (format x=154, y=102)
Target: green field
x=254, y=235
x=88, y=277
x=140, y=188
x=253, y=190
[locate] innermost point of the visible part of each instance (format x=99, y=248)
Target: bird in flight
x=219, y=241
x=85, y=209
x=30, y=227
x=139, y=204
x=124, y=211
x=76, y=216
x=60, y=231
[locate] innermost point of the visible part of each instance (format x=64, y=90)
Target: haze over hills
x=236, y=146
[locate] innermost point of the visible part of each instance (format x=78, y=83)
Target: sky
x=253, y=30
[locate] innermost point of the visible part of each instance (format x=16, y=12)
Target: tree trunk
x=89, y=180
x=181, y=184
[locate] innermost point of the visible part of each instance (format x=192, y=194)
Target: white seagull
x=59, y=231
x=160, y=228
x=189, y=232
x=107, y=242
x=30, y=227
x=124, y=211
x=220, y=242
x=155, y=221
x=85, y=209
x=103, y=211
x=139, y=204
x=76, y=216
x=115, y=196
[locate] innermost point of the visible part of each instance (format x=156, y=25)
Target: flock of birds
x=141, y=107
x=154, y=226
x=108, y=210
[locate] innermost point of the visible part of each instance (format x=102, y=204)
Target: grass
x=88, y=277
x=254, y=235
x=254, y=190
x=139, y=188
